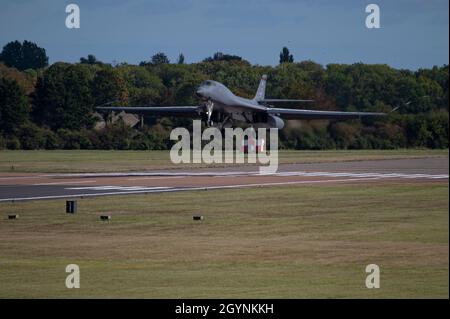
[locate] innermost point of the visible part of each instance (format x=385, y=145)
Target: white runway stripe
x=66, y=183
x=160, y=177
x=150, y=174
x=117, y=188
x=362, y=175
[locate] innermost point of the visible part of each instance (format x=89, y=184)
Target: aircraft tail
x=261, y=92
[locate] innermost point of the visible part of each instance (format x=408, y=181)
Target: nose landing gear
x=209, y=109
x=219, y=119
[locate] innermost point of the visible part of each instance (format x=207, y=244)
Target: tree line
x=52, y=107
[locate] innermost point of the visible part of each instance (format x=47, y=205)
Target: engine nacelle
x=275, y=122
x=270, y=121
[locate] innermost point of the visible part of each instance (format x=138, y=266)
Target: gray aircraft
x=219, y=107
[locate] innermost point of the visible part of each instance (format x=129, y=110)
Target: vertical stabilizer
x=261, y=92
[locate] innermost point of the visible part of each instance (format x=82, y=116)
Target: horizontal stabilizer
x=297, y=114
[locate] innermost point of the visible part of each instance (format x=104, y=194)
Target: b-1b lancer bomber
x=220, y=108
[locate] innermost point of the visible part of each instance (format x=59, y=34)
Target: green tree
x=62, y=98
x=285, y=56
x=108, y=86
x=91, y=59
x=26, y=79
x=14, y=106
x=22, y=56
x=31, y=137
x=181, y=59
x=160, y=58
x=219, y=56
x=144, y=87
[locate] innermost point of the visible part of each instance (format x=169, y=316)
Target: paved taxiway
x=20, y=187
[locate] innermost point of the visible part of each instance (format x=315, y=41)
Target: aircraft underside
x=223, y=116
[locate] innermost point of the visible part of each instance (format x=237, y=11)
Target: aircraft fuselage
x=227, y=105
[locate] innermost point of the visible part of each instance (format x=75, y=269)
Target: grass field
x=102, y=161
x=284, y=242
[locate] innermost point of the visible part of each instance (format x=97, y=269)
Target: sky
x=413, y=33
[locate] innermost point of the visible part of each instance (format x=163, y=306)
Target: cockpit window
x=207, y=83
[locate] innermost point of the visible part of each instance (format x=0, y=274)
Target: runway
x=23, y=187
